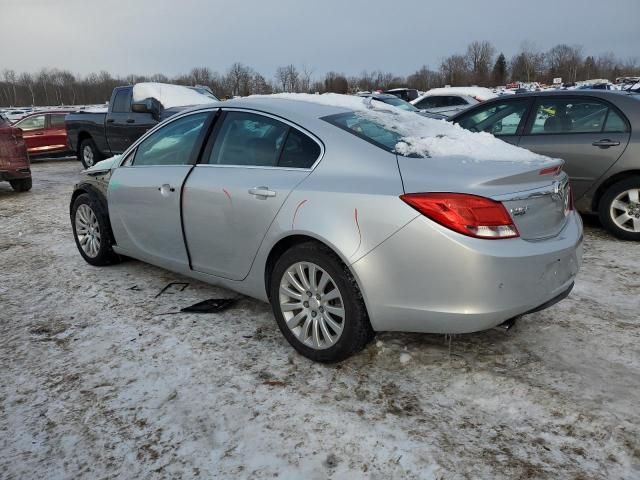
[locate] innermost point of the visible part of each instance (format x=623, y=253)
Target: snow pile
x=423, y=136
x=169, y=95
x=479, y=93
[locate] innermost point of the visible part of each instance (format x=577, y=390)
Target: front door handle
x=605, y=143
x=262, y=192
x=110, y=120
x=131, y=120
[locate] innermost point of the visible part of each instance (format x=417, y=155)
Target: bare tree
x=479, y=58
x=455, y=70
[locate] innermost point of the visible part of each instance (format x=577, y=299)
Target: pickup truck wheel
x=92, y=231
x=88, y=153
x=21, y=185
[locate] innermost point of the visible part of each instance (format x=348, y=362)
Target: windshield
x=398, y=102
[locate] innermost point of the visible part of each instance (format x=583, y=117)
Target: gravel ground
x=100, y=379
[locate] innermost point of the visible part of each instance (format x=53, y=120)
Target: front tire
x=88, y=153
x=318, y=305
x=22, y=184
x=619, y=209
x=92, y=232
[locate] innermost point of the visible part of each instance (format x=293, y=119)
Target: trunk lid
x=536, y=194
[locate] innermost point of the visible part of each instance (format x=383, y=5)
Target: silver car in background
x=308, y=206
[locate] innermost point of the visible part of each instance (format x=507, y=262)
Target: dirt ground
x=99, y=379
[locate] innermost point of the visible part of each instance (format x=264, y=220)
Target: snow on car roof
x=169, y=95
x=422, y=136
x=480, y=93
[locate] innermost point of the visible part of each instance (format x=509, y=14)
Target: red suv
x=14, y=161
x=44, y=132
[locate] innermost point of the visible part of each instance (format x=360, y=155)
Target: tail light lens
x=470, y=215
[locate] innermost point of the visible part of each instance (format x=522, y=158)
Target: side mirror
x=148, y=105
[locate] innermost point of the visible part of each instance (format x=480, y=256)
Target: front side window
x=497, y=118
x=248, y=139
x=31, y=123
x=122, y=102
x=568, y=115
x=173, y=143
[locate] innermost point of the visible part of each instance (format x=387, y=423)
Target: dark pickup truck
x=98, y=135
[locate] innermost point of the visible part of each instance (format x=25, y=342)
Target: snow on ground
x=100, y=379
x=422, y=136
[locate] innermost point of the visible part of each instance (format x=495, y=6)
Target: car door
x=33, y=131
x=588, y=133
x=117, y=126
x=56, y=133
x=144, y=192
x=503, y=118
x=250, y=166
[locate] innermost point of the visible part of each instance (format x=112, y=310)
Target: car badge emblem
x=519, y=211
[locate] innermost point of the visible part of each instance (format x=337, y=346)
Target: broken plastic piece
x=169, y=285
x=212, y=305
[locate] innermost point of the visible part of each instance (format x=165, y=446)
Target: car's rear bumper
x=426, y=278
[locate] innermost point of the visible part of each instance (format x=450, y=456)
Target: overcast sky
x=172, y=36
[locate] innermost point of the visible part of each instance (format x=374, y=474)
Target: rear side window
x=498, y=118
x=173, y=143
x=57, y=121
x=122, y=102
x=615, y=123
x=248, y=139
x=299, y=151
x=573, y=115
x=366, y=129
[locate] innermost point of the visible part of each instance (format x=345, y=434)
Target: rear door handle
x=605, y=143
x=131, y=120
x=166, y=188
x=110, y=120
x=263, y=192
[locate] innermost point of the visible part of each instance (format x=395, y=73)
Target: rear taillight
x=470, y=215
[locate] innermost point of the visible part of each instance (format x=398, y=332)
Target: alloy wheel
x=88, y=230
x=312, y=305
x=87, y=154
x=625, y=210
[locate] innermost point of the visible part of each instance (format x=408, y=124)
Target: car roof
x=284, y=107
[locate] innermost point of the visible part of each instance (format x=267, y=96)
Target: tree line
x=481, y=65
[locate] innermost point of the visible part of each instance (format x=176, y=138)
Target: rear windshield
x=398, y=102
x=367, y=129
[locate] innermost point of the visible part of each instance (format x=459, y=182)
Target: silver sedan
x=336, y=218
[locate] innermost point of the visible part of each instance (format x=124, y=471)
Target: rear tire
x=22, y=184
x=92, y=231
x=354, y=328
x=619, y=209
x=88, y=153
